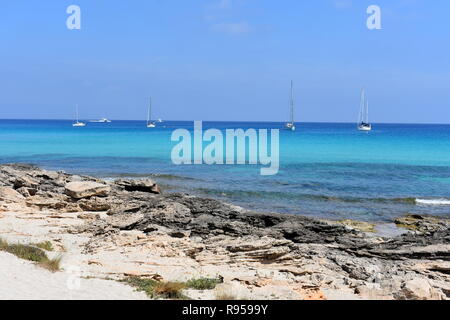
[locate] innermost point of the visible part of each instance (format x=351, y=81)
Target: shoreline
x=116, y=229
x=166, y=181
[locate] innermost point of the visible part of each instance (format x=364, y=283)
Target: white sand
x=21, y=279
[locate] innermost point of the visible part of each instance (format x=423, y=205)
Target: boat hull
x=290, y=126
x=365, y=128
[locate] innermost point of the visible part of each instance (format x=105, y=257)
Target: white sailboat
x=78, y=123
x=150, y=124
x=291, y=124
x=363, y=121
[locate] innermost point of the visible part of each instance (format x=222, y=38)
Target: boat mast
x=76, y=111
x=149, y=113
x=292, y=102
x=362, y=106
x=366, y=119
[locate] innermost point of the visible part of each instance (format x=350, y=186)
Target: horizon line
x=237, y=121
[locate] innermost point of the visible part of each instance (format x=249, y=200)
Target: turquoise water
x=326, y=170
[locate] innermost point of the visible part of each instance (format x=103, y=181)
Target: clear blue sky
x=225, y=59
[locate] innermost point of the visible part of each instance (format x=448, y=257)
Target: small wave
x=132, y=175
x=322, y=198
x=410, y=201
x=433, y=202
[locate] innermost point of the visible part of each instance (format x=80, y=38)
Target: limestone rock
x=358, y=225
x=124, y=221
x=10, y=195
x=420, y=289
x=141, y=185
x=46, y=203
x=86, y=189
x=422, y=223
x=94, y=204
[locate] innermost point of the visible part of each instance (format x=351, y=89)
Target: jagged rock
x=423, y=224
x=10, y=195
x=48, y=175
x=48, y=203
x=125, y=221
x=27, y=192
x=24, y=181
x=420, y=289
x=264, y=249
x=86, y=189
x=142, y=185
x=88, y=216
x=94, y=204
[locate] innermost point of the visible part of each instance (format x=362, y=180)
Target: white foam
x=434, y=202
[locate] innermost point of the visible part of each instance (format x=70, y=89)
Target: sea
x=326, y=170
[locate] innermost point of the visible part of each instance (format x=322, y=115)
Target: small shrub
x=46, y=245
x=203, y=283
x=157, y=290
x=141, y=284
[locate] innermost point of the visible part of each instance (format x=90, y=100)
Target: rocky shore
x=122, y=228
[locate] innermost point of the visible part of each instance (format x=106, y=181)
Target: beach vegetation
x=31, y=253
x=45, y=245
x=224, y=294
x=158, y=289
x=203, y=283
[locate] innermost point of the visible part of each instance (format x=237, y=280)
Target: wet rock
x=86, y=189
x=358, y=225
x=422, y=223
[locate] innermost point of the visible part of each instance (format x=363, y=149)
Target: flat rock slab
x=86, y=189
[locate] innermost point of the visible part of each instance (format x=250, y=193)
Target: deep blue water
x=326, y=170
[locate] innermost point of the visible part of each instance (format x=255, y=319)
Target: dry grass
x=45, y=245
x=31, y=253
x=169, y=290
x=224, y=294
x=52, y=265
x=158, y=290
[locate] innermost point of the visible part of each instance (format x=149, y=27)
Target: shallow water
x=326, y=170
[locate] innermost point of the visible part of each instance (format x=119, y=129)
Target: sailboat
x=78, y=123
x=150, y=124
x=363, y=121
x=291, y=124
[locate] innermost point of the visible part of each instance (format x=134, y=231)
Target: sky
x=226, y=60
